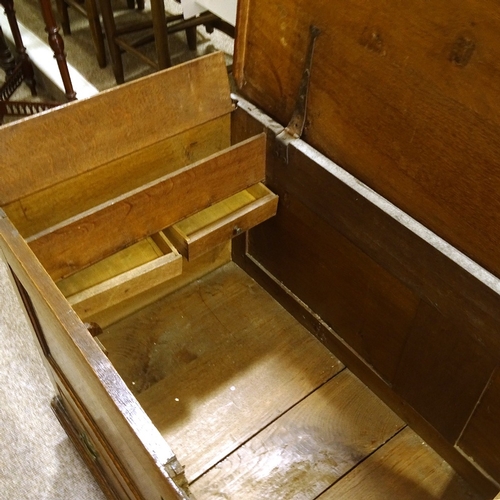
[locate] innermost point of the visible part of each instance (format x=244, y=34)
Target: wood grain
x=191, y=271
x=304, y=451
x=98, y=233
x=90, y=375
x=400, y=95
x=84, y=135
x=406, y=468
x=60, y=201
x=481, y=439
x=370, y=309
x=443, y=371
x=214, y=363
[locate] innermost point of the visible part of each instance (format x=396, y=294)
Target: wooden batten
x=82, y=136
x=149, y=209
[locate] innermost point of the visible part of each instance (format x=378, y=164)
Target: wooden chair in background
x=20, y=68
x=161, y=25
x=89, y=9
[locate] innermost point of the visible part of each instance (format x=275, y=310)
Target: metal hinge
x=297, y=123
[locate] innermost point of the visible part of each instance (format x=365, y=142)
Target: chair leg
x=96, y=31
x=191, y=38
x=62, y=12
x=108, y=21
x=27, y=66
x=160, y=33
x=56, y=43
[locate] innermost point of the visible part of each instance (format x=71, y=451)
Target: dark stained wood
x=443, y=371
x=329, y=204
x=360, y=368
x=481, y=438
x=214, y=363
x=403, y=468
x=114, y=225
x=308, y=448
x=400, y=95
x=369, y=308
x=73, y=139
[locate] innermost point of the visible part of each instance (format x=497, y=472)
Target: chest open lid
x=400, y=95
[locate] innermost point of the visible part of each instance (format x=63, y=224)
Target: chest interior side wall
x=417, y=328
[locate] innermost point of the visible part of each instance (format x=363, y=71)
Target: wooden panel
x=400, y=95
x=481, y=438
x=202, y=231
x=367, y=307
x=68, y=198
x=98, y=233
x=415, y=262
x=214, y=363
x=443, y=371
x=83, y=135
x=122, y=275
x=403, y=468
x=74, y=353
x=303, y=452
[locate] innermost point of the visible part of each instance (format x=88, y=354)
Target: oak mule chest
x=276, y=293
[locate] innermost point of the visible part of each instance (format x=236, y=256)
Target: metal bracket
x=297, y=123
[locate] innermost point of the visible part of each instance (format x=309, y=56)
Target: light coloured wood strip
x=134, y=256
x=191, y=271
x=308, y=448
x=100, y=232
x=227, y=227
x=63, y=200
x=403, y=468
x=83, y=135
x=125, y=285
x=214, y=363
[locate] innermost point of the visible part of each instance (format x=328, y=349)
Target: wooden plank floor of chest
x=189, y=266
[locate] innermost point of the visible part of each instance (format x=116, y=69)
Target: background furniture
x=17, y=69
x=162, y=25
x=90, y=10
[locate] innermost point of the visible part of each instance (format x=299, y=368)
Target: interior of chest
x=147, y=249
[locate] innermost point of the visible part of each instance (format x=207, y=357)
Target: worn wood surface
x=60, y=201
x=73, y=138
x=214, y=363
x=74, y=353
x=206, y=229
x=481, y=438
x=304, y=451
x=404, y=468
x=400, y=95
x=100, y=232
